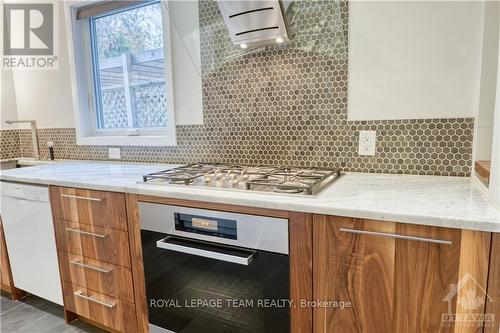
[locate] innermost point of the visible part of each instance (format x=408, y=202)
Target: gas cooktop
x=291, y=180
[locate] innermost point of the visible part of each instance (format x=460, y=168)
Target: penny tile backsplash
x=9, y=144
x=283, y=105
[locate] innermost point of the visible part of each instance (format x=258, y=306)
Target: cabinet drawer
x=106, y=278
x=104, y=209
x=395, y=275
x=103, y=244
x=108, y=311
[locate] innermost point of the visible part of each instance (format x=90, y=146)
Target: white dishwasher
x=31, y=244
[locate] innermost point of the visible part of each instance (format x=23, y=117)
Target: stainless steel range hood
x=254, y=23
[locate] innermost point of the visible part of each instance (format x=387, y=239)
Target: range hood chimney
x=254, y=23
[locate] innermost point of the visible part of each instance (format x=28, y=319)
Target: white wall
x=494, y=186
x=411, y=59
x=8, y=108
x=186, y=62
x=45, y=95
x=484, y=123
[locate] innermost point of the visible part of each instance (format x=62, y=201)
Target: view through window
x=128, y=65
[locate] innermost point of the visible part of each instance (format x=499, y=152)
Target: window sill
x=143, y=140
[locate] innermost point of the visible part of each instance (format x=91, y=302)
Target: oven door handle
x=212, y=254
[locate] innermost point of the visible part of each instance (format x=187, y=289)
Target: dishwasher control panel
x=25, y=191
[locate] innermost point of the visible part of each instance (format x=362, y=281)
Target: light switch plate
x=114, y=153
x=367, y=143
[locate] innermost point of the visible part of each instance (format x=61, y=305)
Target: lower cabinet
x=6, y=281
x=394, y=277
x=105, y=310
x=98, y=258
x=5, y=274
x=357, y=275
x=106, y=278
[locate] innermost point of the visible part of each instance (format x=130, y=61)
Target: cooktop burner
x=291, y=180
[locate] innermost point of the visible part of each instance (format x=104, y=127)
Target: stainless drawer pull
x=86, y=233
x=99, y=269
x=383, y=234
x=91, y=299
x=79, y=197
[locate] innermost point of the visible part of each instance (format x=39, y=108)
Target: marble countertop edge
x=453, y=202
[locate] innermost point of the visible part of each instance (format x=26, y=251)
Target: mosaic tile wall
x=9, y=144
x=288, y=105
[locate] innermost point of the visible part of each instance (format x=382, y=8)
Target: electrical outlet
x=367, y=142
x=114, y=153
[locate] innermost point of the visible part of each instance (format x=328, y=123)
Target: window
x=121, y=49
x=129, y=68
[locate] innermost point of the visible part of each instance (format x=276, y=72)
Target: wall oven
x=210, y=271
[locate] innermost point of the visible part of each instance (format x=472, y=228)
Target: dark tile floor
x=32, y=314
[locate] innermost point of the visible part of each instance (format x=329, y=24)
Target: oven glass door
x=197, y=294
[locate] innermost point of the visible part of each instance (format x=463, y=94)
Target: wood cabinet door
x=108, y=245
x=5, y=274
x=106, y=278
x=108, y=311
x=98, y=208
x=394, y=275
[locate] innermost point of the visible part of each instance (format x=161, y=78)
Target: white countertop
x=454, y=202
x=28, y=161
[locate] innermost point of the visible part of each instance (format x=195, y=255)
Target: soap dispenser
x=50, y=144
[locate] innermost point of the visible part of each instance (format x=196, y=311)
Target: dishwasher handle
x=207, y=250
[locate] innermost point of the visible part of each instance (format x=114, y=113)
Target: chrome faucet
x=34, y=134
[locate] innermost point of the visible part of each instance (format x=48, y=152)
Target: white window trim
x=83, y=91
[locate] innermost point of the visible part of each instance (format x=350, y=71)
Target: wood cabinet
x=493, y=299
x=108, y=311
x=355, y=275
x=109, y=245
x=396, y=277
x=98, y=208
x=94, y=247
x=5, y=273
x=106, y=278
x=6, y=281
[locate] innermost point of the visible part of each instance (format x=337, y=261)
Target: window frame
x=83, y=79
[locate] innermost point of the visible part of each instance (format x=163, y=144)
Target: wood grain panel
x=112, y=248
x=397, y=283
x=473, y=276
x=98, y=208
x=215, y=206
x=482, y=169
x=377, y=277
x=352, y=268
x=300, y=226
x=5, y=273
x=493, y=302
x=134, y=227
x=106, y=278
x=119, y=315
x=6, y=281
x=423, y=274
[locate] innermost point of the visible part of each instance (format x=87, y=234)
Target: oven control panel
x=243, y=230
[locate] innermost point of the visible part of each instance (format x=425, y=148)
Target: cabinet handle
x=80, y=197
x=383, y=234
x=210, y=251
x=91, y=299
x=99, y=269
x=86, y=233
